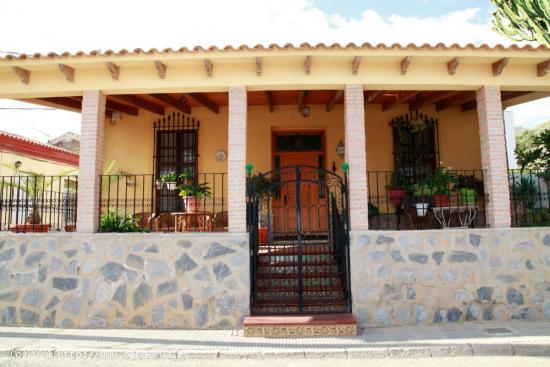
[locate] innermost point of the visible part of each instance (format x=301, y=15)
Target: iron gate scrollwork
x=297, y=218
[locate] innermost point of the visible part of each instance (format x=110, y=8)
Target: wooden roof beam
x=269, y=99
x=335, y=98
x=115, y=106
x=258, y=66
x=209, y=67
x=405, y=64
x=71, y=103
x=204, y=100
x=140, y=103
x=113, y=69
x=67, y=71
x=373, y=95
x=499, y=66
x=504, y=96
x=543, y=67
x=453, y=65
x=173, y=102
x=355, y=65
x=458, y=99
x=307, y=65
x=23, y=74
x=434, y=98
x=161, y=69
x=403, y=98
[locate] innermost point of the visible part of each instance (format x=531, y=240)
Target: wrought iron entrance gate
x=299, y=241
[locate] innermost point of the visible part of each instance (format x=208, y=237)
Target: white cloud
x=68, y=25
x=531, y=113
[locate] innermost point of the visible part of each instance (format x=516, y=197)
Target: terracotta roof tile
x=273, y=46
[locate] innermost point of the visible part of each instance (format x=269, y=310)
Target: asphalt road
x=404, y=362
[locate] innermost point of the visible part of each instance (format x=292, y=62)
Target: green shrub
x=112, y=221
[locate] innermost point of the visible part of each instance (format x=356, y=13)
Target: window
x=176, y=151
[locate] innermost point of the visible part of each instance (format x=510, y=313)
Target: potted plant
x=191, y=192
x=396, y=188
x=261, y=185
x=441, y=181
x=421, y=193
x=467, y=196
x=159, y=184
x=170, y=179
x=469, y=187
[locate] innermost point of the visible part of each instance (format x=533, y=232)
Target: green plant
x=470, y=182
x=523, y=20
x=441, y=181
x=467, y=195
x=262, y=184
x=420, y=190
x=168, y=177
x=524, y=192
x=397, y=181
x=373, y=211
x=113, y=221
x=533, y=150
x=189, y=188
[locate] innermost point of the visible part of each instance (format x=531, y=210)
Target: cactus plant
x=523, y=20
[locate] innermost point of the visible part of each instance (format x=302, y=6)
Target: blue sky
x=418, y=8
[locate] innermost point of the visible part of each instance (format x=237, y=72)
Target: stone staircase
x=277, y=291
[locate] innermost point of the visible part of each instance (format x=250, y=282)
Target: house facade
x=286, y=161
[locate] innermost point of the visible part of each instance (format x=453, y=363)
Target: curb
x=505, y=349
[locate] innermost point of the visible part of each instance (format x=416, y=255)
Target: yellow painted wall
x=130, y=141
x=41, y=166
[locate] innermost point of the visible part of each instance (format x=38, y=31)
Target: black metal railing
x=144, y=202
x=38, y=203
x=529, y=197
x=426, y=200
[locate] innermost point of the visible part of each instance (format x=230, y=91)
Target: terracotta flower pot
x=397, y=196
x=441, y=200
x=192, y=204
x=25, y=228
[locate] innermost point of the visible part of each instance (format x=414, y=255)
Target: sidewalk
x=488, y=339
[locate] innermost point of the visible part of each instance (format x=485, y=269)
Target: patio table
x=199, y=221
x=466, y=215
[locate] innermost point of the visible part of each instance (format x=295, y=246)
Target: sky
x=29, y=26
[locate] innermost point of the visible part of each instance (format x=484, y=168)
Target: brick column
x=356, y=156
x=236, y=159
x=493, y=156
x=91, y=160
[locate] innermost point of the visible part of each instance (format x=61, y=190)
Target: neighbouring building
x=69, y=141
x=367, y=181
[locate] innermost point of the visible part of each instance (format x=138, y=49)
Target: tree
x=523, y=20
x=533, y=150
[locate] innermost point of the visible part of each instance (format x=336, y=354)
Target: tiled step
x=293, y=250
x=295, y=302
x=306, y=270
x=282, y=263
x=343, y=324
x=294, y=288
x=296, y=275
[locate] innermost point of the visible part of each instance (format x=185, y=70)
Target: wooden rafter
x=403, y=98
x=140, y=103
x=543, y=67
x=355, y=65
x=113, y=69
x=209, y=67
x=258, y=66
x=453, y=65
x=456, y=100
x=499, y=66
x=269, y=99
x=301, y=99
x=405, y=64
x=111, y=105
x=203, y=100
x=161, y=69
x=335, y=98
x=23, y=74
x=72, y=103
x=470, y=105
x=172, y=102
x=67, y=71
x=373, y=95
x=504, y=96
x=307, y=65
x=431, y=99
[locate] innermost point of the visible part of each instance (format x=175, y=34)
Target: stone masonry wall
x=124, y=280
x=425, y=277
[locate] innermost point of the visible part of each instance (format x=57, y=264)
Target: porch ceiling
x=185, y=102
